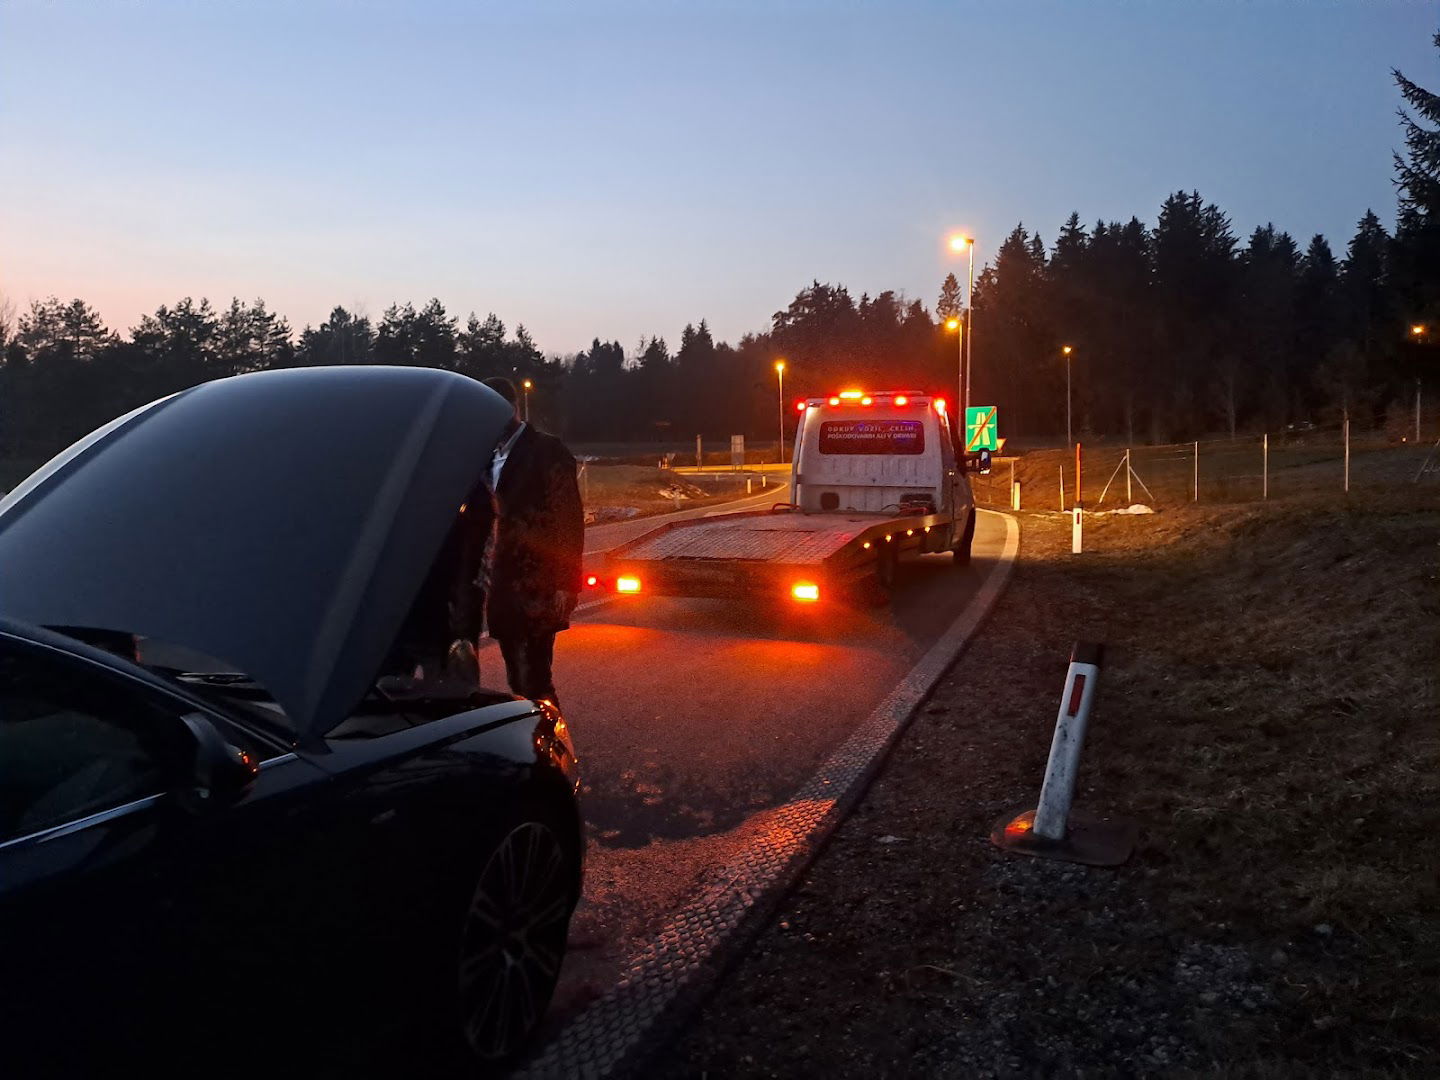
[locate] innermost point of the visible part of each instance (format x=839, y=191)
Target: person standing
x=533, y=564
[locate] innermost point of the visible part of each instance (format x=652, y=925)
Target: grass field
x=1268, y=713
x=614, y=491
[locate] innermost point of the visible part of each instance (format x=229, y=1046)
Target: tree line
x=1176, y=329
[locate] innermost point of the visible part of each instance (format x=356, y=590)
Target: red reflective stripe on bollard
x=1077, y=691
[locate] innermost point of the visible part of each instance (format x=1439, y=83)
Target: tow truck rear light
x=805, y=592
x=851, y=395
x=865, y=401
x=627, y=584
x=799, y=406
x=940, y=404
x=592, y=581
x=901, y=399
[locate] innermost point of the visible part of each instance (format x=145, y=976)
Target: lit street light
x=967, y=244
x=954, y=325
x=1067, y=351
x=780, y=374
x=1418, y=332
x=528, y=385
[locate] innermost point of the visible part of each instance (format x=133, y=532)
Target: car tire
x=513, y=939
x=962, y=549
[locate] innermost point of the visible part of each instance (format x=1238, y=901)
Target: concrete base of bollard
x=1088, y=840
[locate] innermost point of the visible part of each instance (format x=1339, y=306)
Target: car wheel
x=967, y=538
x=514, y=939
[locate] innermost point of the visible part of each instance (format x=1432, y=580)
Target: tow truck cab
x=884, y=451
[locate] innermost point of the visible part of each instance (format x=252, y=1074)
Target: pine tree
x=1418, y=172
x=950, y=303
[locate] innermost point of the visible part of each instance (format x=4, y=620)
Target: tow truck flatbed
x=770, y=551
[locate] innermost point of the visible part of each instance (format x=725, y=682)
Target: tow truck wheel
x=967, y=538
x=887, y=567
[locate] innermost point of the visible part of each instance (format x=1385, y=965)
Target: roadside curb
x=613, y=1036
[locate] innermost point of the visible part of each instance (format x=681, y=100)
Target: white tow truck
x=876, y=477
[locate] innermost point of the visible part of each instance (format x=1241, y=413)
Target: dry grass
x=648, y=490
x=1268, y=713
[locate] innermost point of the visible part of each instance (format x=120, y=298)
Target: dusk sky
x=619, y=169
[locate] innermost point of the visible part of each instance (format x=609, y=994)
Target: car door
x=87, y=766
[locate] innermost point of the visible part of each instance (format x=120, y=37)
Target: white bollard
x=1058, y=790
x=748, y=482
x=1075, y=531
x=1015, y=495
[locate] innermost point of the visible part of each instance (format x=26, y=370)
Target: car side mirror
x=221, y=774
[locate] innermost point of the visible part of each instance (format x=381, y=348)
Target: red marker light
x=865, y=401
x=805, y=592
x=592, y=581
x=901, y=399
x=799, y=406
x=940, y=404
x=627, y=584
x=834, y=401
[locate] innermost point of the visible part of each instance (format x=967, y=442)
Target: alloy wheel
x=514, y=940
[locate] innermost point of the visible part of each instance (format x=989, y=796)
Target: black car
x=289, y=858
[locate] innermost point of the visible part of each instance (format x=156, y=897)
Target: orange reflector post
x=805, y=592
x=627, y=584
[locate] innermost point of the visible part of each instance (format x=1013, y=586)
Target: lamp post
x=528, y=384
x=780, y=375
x=1418, y=333
x=967, y=244
x=1069, y=441
x=955, y=324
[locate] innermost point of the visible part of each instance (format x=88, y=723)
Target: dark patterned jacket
x=533, y=562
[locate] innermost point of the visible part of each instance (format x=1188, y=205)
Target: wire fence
x=1312, y=460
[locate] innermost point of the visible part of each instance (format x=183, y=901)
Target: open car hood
x=282, y=521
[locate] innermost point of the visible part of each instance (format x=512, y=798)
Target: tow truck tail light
x=834, y=401
x=592, y=582
x=901, y=399
x=627, y=584
x=799, y=406
x=805, y=592
x=940, y=404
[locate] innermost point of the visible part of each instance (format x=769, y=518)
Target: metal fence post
x=1347, y=455
x=1265, y=467
x=1128, y=500
x=1062, y=489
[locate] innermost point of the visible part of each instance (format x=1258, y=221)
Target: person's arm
x=569, y=518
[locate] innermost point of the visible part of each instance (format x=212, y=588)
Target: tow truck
x=877, y=476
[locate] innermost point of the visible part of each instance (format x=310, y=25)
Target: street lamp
x=960, y=242
x=780, y=374
x=1418, y=332
x=1067, y=351
x=957, y=327
x=528, y=385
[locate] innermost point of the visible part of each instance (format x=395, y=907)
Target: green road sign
x=981, y=429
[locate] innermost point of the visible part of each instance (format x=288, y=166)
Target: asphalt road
x=691, y=716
